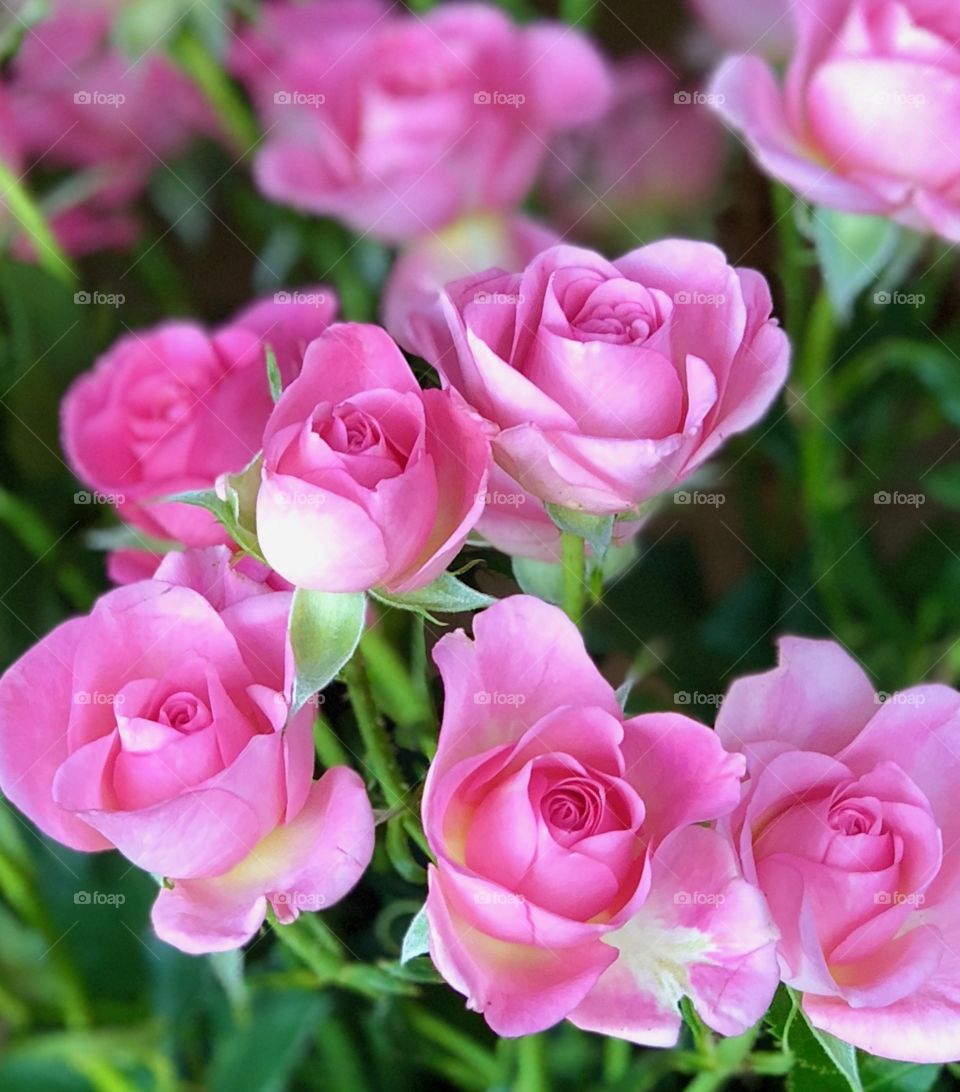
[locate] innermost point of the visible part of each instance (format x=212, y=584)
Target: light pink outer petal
x=317, y=539
x=817, y=699
x=522, y=648
x=36, y=697
x=703, y=933
x=309, y=864
x=680, y=771
x=519, y=988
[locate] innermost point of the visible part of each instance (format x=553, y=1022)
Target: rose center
x=573, y=806
x=621, y=323
x=184, y=712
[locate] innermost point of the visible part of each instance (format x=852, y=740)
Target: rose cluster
x=283, y=476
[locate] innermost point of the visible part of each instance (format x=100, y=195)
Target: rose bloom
x=750, y=26
x=160, y=725
x=866, y=116
x=571, y=879
x=849, y=825
x=610, y=382
x=368, y=481
x=400, y=125
x=169, y=409
x=650, y=155
x=81, y=104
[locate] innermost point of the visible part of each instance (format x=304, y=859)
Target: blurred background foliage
x=798, y=543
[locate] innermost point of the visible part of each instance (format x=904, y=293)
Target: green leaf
x=446, y=595
x=883, y=1075
x=233, y=502
x=416, y=942
x=854, y=251
x=544, y=579
x=596, y=531
x=28, y=215
x=325, y=630
x=228, y=969
x=821, y=1062
x=273, y=375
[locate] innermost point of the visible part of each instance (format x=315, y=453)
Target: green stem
x=573, y=549
x=193, y=58
x=793, y=258
x=28, y=215
x=377, y=744
x=732, y=1057
x=330, y=750
x=401, y=698
x=532, y=1073
x=578, y=13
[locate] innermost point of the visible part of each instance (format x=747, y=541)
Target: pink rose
x=866, y=116
x=609, y=383
x=849, y=825
x=655, y=151
x=367, y=479
x=160, y=725
x=168, y=410
x=80, y=103
x=400, y=125
x=750, y=26
x=571, y=877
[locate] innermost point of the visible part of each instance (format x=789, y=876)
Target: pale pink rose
x=658, y=149
x=850, y=827
x=403, y=124
x=609, y=383
x=80, y=103
x=866, y=116
x=160, y=725
x=367, y=479
x=750, y=26
x=571, y=879
x=169, y=409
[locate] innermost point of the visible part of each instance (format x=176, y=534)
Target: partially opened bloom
x=849, y=825
x=80, y=103
x=571, y=877
x=167, y=410
x=402, y=123
x=658, y=149
x=160, y=725
x=865, y=119
x=367, y=479
x=610, y=382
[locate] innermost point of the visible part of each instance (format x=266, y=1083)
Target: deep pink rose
x=367, y=479
x=571, y=877
x=402, y=124
x=850, y=827
x=656, y=150
x=169, y=409
x=80, y=103
x=609, y=383
x=866, y=117
x=160, y=725
x=750, y=26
